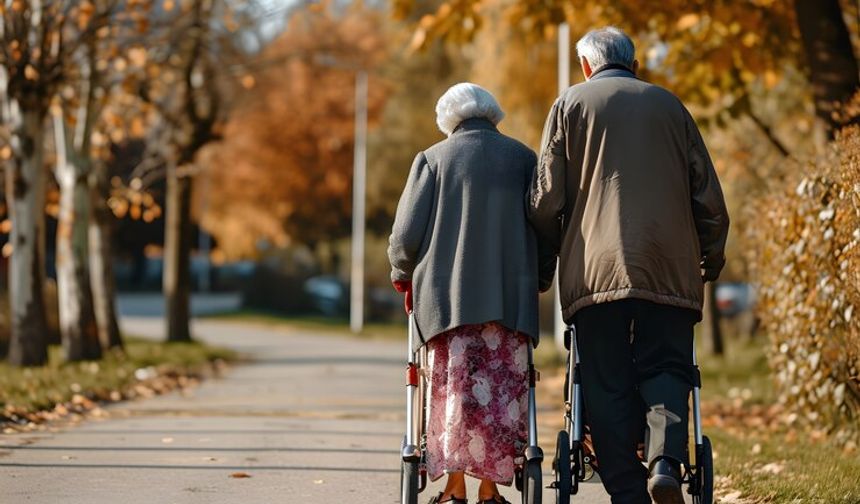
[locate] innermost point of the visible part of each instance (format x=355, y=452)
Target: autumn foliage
x=706, y=51
x=284, y=170
x=807, y=264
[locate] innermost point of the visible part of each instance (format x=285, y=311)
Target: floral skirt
x=478, y=411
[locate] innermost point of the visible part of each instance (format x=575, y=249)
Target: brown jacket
x=627, y=195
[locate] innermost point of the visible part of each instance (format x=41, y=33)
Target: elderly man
x=626, y=193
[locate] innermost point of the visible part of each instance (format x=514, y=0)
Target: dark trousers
x=636, y=367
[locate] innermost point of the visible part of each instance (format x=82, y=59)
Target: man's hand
x=405, y=286
x=711, y=271
x=710, y=275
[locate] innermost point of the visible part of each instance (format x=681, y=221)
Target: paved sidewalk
x=313, y=419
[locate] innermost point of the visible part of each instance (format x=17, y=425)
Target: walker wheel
x=531, y=482
x=561, y=468
x=408, y=479
x=706, y=472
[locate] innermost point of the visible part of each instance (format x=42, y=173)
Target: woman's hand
x=405, y=286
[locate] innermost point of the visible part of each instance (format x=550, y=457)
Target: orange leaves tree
x=284, y=169
x=184, y=79
x=711, y=53
x=702, y=49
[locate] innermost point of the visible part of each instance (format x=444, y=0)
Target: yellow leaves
x=444, y=11
x=120, y=64
x=456, y=20
x=30, y=73
x=102, y=65
x=119, y=206
x=248, y=81
x=400, y=9
x=419, y=38
x=229, y=20
x=687, y=21
x=15, y=50
x=117, y=135
x=137, y=56
x=168, y=5
x=734, y=28
x=750, y=39
x=137, y=128
x=747, y=76
x=85, y=12
x=771, y=79
x=150, y=214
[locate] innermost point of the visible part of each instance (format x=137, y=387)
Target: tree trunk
x=101, y=257
x=711, y=321
x=77, y=318
x=830, y=56
x=177, y=255
x=25, y=195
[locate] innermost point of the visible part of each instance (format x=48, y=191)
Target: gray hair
x=466, y=101
x=606, y=46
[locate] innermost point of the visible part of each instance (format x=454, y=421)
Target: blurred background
x=249, y=156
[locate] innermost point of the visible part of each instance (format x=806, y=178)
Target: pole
x=563, y=57
x=563, y=84
x=356, y=305
x=204, y=240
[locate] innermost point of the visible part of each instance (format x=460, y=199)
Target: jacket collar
x=474, y=123
x=612, y=70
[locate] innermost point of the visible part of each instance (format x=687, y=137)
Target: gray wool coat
x=461, y=235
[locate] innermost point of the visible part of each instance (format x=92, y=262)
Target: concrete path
x=313, y=419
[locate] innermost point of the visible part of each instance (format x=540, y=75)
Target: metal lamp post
x=359, y=185
x=359, y=190
x=563, y=84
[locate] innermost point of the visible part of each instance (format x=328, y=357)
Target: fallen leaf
x=771, y=468
x=731, y=497
x=240, y=475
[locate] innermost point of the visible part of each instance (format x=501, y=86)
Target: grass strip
x=29, y=390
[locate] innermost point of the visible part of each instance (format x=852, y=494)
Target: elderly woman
x=462, y=243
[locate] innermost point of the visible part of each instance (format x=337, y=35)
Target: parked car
x=734, y=298
x=328, y=295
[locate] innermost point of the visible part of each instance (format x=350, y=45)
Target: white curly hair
x=466, y=101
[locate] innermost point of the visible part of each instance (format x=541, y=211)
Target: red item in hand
x=406, y=287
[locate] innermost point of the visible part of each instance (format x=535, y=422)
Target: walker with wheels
x=413, y=471
x=574, y=461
